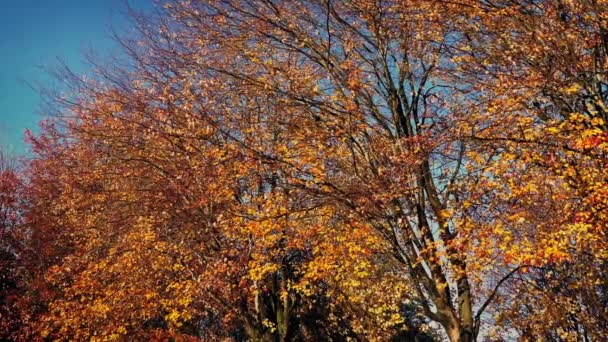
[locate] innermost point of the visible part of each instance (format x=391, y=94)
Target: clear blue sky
x=34, y=34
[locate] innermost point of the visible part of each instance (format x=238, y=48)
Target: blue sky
x=34, y=35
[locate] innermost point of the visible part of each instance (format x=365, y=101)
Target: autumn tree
x=10, y=245
x=541, y=67
x=143, y=240
x=369, y=83
x=282, y=170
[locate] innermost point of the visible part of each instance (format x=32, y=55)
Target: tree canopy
x=269, y=170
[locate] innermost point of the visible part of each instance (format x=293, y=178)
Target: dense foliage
x=271, y=170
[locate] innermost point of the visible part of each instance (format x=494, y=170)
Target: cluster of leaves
x=323, y=170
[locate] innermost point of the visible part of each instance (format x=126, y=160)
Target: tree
x=144, y=241
x=10, y=246
x=271, y=170
x=370, y=80
x=542, y=68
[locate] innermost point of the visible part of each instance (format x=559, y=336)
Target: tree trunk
x=465, y=306
x=457, y=333
x=282, y=308
x=458, y=329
